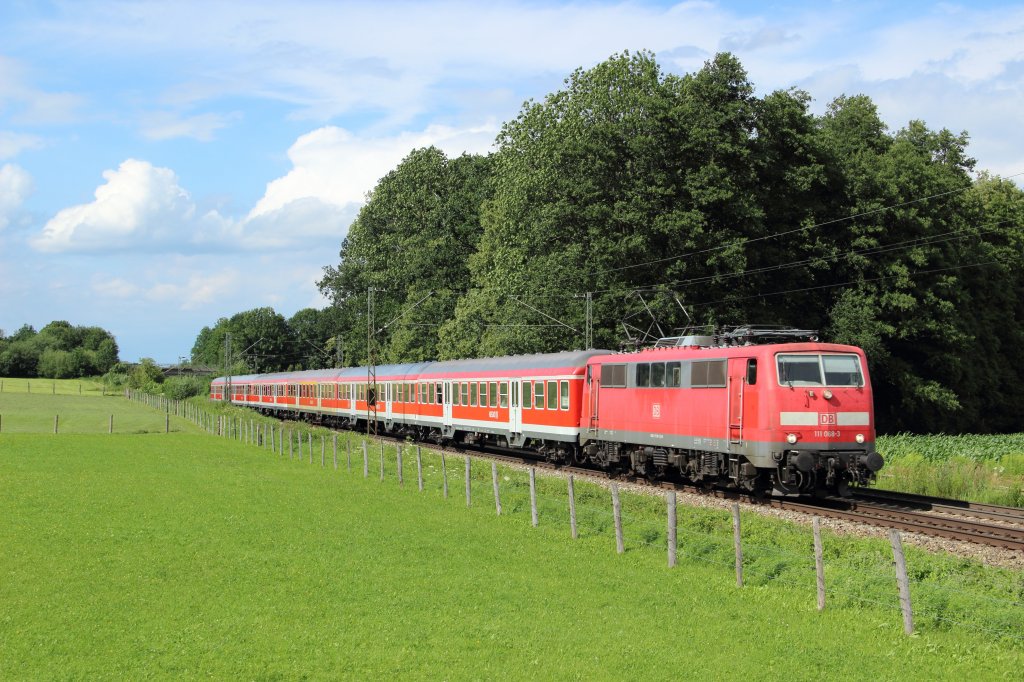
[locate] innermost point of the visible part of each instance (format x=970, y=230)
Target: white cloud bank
x=142, y=207
x=15, y=186
x=139, y=206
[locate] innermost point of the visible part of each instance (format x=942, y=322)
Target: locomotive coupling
x=802, y=460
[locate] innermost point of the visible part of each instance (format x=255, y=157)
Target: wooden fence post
x=334, y=441
x=382, y=460
x=56, y=419
x=468, y=500
x=671, y=502
x=398, y=457
x=323, y=451
x=167, y=422
x=497, y=493
x=110, y=427
x=366, y=462
x=572, y=508
x=291, y=452
x=444, y=475
x=819, y=564
x=902, y=581
x=419, y=468
x=736, y=542
x=620, y=546
x=348, y=442
x=533, y=496
x=309, y=440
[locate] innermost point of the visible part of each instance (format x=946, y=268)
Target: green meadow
x=186, y=555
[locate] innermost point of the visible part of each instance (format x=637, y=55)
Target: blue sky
x=164, y=164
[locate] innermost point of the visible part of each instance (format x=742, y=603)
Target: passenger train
x=753, y=409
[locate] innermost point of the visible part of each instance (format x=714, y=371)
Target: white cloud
x=143, y=207
x=166, y=126
x=198, y=290
x=29, y=104
x=12, y=144
x=334, y=166
x=140, y=206
x=15, y=186
x=115, y=287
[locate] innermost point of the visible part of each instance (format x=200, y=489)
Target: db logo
x=656, y=411
x=827, y=418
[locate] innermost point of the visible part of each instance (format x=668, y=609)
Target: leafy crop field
x=186, y=555
x=967, y=467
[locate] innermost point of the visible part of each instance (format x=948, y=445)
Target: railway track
x=973, y=522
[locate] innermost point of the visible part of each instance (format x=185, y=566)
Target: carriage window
x=465, y=393
x=673, y=374
x=439, y=393
x=658, y=374
x=643, y=374
x=563, y=391
x=492, y=394
x=538, y=395
x=552, y=395
x=483, y=394
x=472, y=394
x=527, y=392
x=502, y=394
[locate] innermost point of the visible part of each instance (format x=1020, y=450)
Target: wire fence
x=937, y=593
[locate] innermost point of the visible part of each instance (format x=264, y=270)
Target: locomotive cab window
x=820, y=370
x=643, y=375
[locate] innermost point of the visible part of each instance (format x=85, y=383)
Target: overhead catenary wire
x=776, y=235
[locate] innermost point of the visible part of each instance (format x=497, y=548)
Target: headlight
x=827, y=394
x=859, y=438
x=791, y=438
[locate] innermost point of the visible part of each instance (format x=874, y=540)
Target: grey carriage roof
x=481, y=365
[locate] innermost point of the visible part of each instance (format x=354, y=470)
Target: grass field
x=184, y=555
x=88, y=386
x=87, y=413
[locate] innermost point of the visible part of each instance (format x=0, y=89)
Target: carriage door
x=446, y=411
x=515, y=407
x=736, y=383
x=388, y=397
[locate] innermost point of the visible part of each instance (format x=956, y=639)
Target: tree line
x=262, y=340
x=59, y=350
x=688, y=202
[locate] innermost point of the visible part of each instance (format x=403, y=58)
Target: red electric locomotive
x=757, y=409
